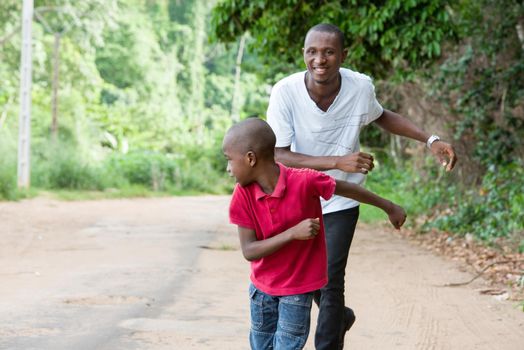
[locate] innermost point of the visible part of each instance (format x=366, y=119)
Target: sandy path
x=132, y=274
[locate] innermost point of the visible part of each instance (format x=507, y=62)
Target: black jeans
x=339, y=227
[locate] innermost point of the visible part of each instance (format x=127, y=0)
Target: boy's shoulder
x=303, y=174
x=302, y=171
x=243, y=191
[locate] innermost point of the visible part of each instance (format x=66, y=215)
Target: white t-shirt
x=298, y=122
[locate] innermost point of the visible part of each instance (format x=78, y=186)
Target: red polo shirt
x=300, y=266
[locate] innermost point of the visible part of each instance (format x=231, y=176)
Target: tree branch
x=481, y=272
x=4, y=39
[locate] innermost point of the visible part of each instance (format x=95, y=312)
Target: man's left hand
x=444, y=153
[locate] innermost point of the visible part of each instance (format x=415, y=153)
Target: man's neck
x=323, y=93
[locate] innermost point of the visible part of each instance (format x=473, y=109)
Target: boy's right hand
x=397, y=215
x=306, y=229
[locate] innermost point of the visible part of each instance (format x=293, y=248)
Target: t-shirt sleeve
x=239, y=209
x=375, y=109
x=322, y=184
x=279, y=116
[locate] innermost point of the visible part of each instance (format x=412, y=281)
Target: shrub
x=8, y=168
x=493, y=210
x=61, y=166
x=8, y=187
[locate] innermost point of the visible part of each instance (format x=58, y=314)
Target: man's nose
x=320, y=58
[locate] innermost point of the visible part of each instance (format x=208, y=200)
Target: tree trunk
x=520, y=33
x=54, y=99
x=196, y=65
x=236, y=87
x=396, y=150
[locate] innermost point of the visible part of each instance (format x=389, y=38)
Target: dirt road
x=167, y=274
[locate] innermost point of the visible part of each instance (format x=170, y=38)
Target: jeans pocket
x=295, y=312
x=256, y=307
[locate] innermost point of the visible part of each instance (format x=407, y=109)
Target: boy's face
x=323, y=56
x=238, y=164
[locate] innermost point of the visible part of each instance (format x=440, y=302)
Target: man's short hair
x=329, y=28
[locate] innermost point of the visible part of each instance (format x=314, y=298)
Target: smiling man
x=317, y=116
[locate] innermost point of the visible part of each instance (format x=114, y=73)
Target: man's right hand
x=359, y=162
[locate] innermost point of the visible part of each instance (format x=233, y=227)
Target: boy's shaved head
x=252, y=134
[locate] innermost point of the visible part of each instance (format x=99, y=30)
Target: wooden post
x=24, y=135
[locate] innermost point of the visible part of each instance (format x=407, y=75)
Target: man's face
x=323, y=56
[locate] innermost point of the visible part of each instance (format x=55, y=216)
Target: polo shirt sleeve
x=322, y=184
x=279, y=116
x=374, y=108
x=239, y=209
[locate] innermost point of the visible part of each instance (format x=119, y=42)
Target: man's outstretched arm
x=398, y=125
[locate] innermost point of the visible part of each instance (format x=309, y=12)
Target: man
x=317, y=116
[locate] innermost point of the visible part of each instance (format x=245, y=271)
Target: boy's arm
x=396, y=214
x=254, y=249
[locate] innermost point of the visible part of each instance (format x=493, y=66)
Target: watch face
x=432, y=139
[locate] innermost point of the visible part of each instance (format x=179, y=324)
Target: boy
x=279, y=218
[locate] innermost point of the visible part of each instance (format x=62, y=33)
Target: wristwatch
x=432, y=139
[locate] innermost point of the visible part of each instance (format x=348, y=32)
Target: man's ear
x=252, y=158
x=344, y=54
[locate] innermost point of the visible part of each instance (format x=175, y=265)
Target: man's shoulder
x=354, y=75
x=293, y=79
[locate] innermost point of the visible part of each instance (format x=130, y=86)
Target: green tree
x=383, y=37
x=482, y=80
x=59, y=18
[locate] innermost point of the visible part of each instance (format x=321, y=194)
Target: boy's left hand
x=397, y=215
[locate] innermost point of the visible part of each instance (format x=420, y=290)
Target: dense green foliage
x=482, y=83
x=143, y=100
x=380, y=35
x=143, y=96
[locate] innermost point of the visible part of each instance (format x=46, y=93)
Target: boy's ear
x=251, y=157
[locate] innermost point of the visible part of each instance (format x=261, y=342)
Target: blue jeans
x=339, y=227
x=279, y=322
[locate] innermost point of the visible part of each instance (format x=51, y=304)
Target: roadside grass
x=134, y=191
x=65, y=172
x=225, y=247
x=109, y=193
x=391, y=186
